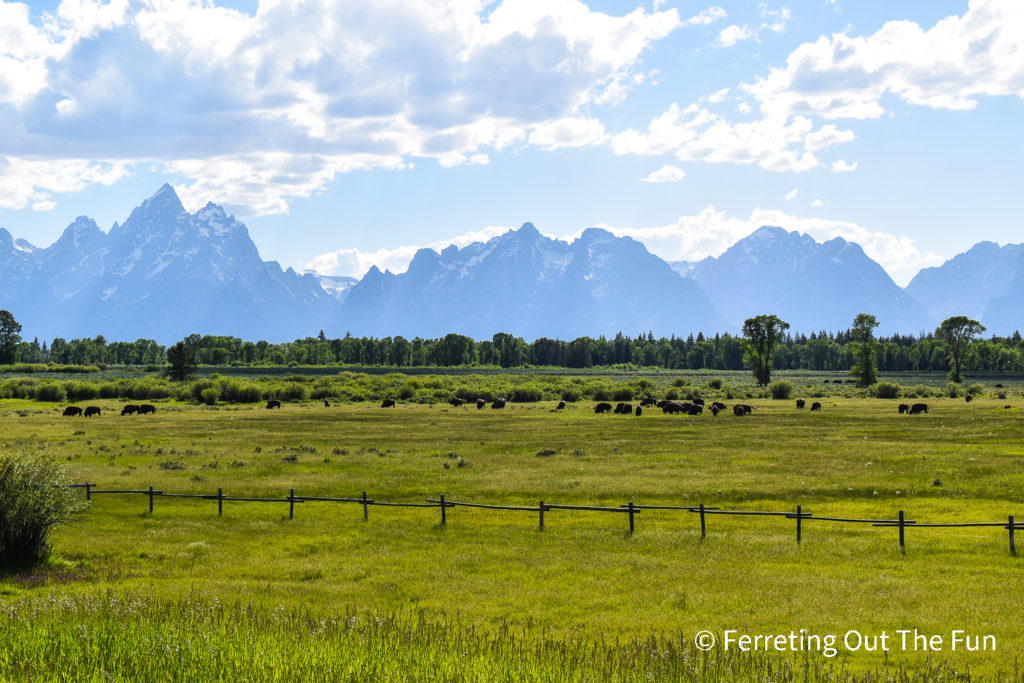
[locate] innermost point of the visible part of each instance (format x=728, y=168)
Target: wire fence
x=630, y=509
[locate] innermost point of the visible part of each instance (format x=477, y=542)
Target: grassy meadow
x=490, y=583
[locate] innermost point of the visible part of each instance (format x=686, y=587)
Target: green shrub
x=887, y=390
x=526, y=394
x=50, y=392
x=781, y=388
x=976, y=389
x=680, y=382
x=109, y=390
x=292, y=391
x=81, y=391
x=209, y=396
x=952, y=389
x=601, y=394
x=715, y=383
x=35, y=499
x=671, y=395
x=570, y=395
x=622, y=394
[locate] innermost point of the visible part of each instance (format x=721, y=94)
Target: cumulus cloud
x=843, y=166
x=33, y=181
x=730, y=35
x=705, y=17
x=665, y=174
x=342, y=84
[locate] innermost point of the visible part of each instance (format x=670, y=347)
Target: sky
x=352, y=134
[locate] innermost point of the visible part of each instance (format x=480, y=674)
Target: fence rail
x=631, y=509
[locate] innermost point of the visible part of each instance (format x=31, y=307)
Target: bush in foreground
x=781, y=389
x=887, y=390
x=35, y=499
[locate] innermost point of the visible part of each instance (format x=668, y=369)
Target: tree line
x=824, y=351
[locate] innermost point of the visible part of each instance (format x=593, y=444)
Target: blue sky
x=351, y=134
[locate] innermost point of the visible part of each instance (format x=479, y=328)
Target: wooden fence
x=800, y=516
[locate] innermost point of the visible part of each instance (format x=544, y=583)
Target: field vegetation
x=490, y=595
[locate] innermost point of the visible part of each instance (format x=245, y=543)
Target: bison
x=624, y=409
x=815, y=406
x=498, y=404
x=639, y=411
x=744, y=407
x=561, y=405
x=999, y=386
x=714, y=410
x=129, y=409
x=273, y=403
x=146, y=408
x=387, y=403
x=327, y=404
x=903, y=408
x=719, y=405
x=455, y=402
x=480, y=403
x=72, y=411
x=738, y=410
x=698, y=401
x=92, y=410
x=968, y=398
x=648, y=402
x=800, y=403
x=695, y=409
x=671, y=407
x=918, y=408
x=602, y=407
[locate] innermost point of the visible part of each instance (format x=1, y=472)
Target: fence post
x=703, y=526
x=220, y=501
x=88, y=492
x=291, y=504
x=541, y=508
x=366, y=509
x=799, y=519
x=631, y=517
x=1013, y=547
x=903, y=548
x=150, y=499
x=444, y=519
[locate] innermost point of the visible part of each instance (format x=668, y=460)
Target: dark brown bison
x=602, y=407
x=698, y=401
x=968, y=398
x=145, y=408
x=918, y=408
x=387, y=403
x=129, y=409
x=639, y=411
x=714, y=410
x=661, y=403
x=561, y=405
x=623, y=409
x=480, y=403
x=273, y=403
x=455, y=402
x=327, y=404
x=695, y=409
x=738, y=410
x=815, y=406
x=92, y=410
x=999, y=386
x=719, y=405
x=672, y=407
x=800, y=403
x=825, y=381
x=744, y=407
x=72, y=411
x=903, y=408
x=498, y=404
x=648, y=402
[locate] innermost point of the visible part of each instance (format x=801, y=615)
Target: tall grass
x=111, y=637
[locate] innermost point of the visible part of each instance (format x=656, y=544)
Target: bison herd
x=129, y=409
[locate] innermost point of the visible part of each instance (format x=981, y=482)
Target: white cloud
x=842, y=166
x=341, y=84
x=775, y=20
x=730, y=35
x=24, y=181
x=817, y=203
x=947, y=66
x=791, y=194
x=665, y=174
x=705, y=17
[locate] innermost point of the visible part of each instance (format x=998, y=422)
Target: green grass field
x=583, y=578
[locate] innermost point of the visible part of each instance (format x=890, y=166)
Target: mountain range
x=165, y=273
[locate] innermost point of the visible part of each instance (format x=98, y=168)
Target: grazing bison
x=744, y=407
x=738, y=410
x=719, y=405
x=714, y=410
x=455, y=402
x=273, y=403
x=661, y=403
x=561, y=405
x=602, y=407
x=825, y=381
x=698, y=401
x=327, y=404
x=639, y=411
x=999, y=386
x=968, y=398
x=93, y=410
x=903, y=408
x=671, y=407
x=648, y=402
x=498, y=404
x=480, y=403
x=129, y=409
x=918, y=408
x=815, y=406
x=624, y=409
x=387, y=403
x=800, y=403
x=695, y=409
x=146, y=408
x=72, y=411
